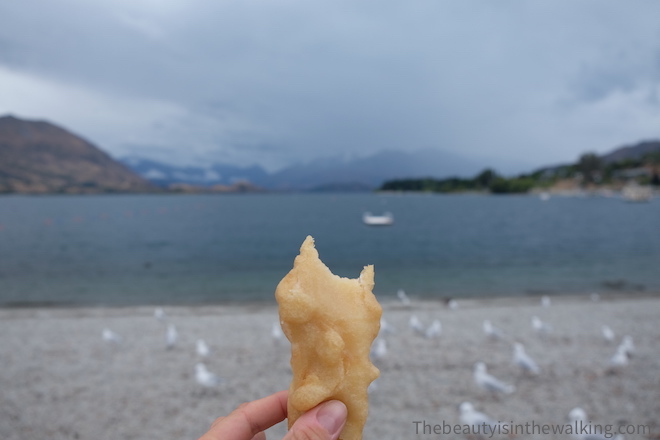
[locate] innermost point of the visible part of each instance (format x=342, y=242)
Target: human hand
x=249, y=420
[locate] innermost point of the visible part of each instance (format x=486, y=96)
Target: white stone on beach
x=205, y=378
x=434, y=330
x=489, y=382
x=523, y=360
x=545, y=301
x=585, y=431
x=171, y=336
x=202, y=348
x=110, y=336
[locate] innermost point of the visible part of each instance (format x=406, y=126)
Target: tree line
x=589, y=170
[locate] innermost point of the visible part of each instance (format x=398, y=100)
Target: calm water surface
x=156, y=249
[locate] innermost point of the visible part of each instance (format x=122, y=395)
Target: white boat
x=636, y=193
x=378, y=220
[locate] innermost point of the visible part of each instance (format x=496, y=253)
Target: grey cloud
x=624, y=69
x=295, y=79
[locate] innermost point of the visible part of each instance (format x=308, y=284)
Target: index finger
x=250, y=418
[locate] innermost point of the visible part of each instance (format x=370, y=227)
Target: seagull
x=401, y=294
x=628, y=345
x=435, y=329
x=276, y=332
x=491, y=331
x=205, y=378
x=523, y=360
x=607, y=332
x=379, y=349
x=490, y=383
x=545, y=301
x=171, y=336
x=470, y=416
x=386, y=327
x=619, y=360
x=579, y=421
x=159, y=314
x=542, y=328
x=202, y=348
x=110, y=336
x=415, y=324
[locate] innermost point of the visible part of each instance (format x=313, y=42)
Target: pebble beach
x=61, y=380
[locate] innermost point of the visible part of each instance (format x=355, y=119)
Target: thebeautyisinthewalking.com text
x=422, y=427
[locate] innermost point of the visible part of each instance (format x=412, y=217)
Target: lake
x=193, y=249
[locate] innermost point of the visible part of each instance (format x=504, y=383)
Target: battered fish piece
x=331, y=322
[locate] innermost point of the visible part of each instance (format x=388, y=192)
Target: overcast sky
x=510, y=83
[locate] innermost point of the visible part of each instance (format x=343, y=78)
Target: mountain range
x=631, y=152
x=329, y=173
x=342, y=174
x=41, y=157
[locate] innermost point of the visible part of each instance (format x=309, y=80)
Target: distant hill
x=167, y=175
x=632, y=152
x=326, y=174
x=39, y=157
x=371, y=171
x=639, y=163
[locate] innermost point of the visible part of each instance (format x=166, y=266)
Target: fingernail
x=332, y=416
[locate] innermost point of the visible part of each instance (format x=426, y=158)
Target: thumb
x=324, y=422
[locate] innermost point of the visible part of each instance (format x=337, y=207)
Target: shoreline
x=62, y=381
x=389, y=300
